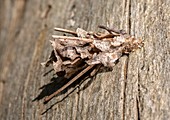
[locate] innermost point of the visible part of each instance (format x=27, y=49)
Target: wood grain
x=138, y=87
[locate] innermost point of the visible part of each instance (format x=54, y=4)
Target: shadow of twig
x=48, y=89
x=58, y=101
x=77, y=85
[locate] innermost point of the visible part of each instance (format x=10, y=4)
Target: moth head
x=132, y=44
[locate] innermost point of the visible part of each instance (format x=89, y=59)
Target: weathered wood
x=137, y=88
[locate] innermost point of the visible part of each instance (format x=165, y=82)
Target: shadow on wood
x=58, y=82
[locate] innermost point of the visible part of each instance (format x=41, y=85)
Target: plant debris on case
x=73, y=56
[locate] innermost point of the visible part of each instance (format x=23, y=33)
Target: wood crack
x=125, y=84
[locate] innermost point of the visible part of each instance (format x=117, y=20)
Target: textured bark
x=137, y=88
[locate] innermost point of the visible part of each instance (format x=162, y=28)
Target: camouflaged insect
x=92, y=48
x=72, y=54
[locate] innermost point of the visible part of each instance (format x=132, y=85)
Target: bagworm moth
x=73, y=56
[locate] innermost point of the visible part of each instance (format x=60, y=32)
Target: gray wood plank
x=137, y=88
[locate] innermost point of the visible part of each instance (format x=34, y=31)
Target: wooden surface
x=138, y=87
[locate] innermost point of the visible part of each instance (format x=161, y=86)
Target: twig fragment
x=65, y=30
x=71, y=38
